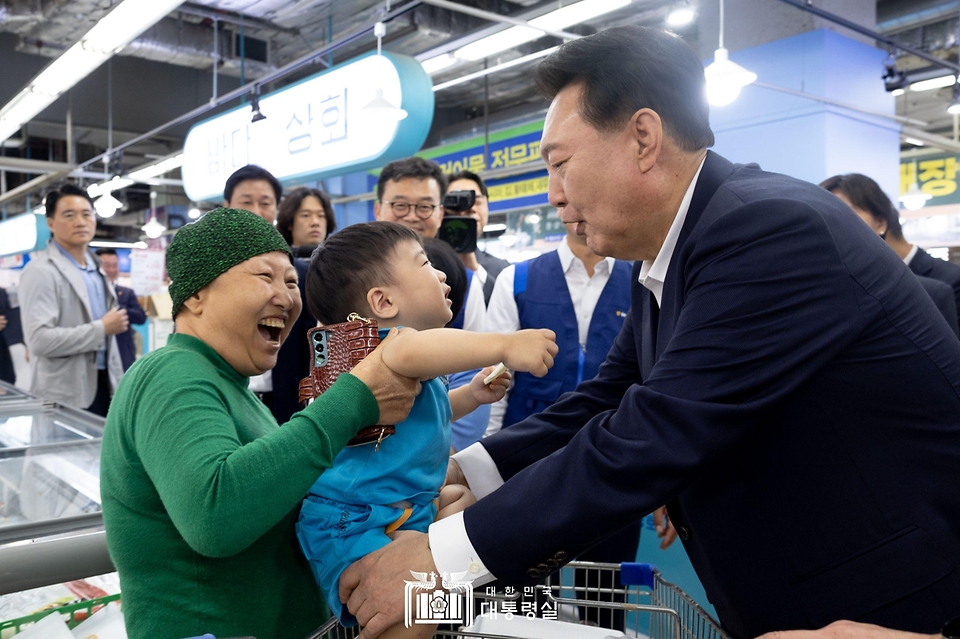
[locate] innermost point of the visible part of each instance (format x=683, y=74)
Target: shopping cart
x=650, y=607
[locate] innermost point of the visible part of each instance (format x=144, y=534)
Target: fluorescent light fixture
x=913, y=141
x=156, y=170
x=934, y=83
x=114, y=31
x=115, y=184
x=493, y=228
x=439, y=63
x=897, y=92
x=499, y=67
x=515, y=36
x=680, y=16
x=107, y=205
x=725, y=79
x=111, y=244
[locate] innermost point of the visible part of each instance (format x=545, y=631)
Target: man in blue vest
x=583, y=298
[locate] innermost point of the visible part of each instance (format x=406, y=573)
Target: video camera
x=458, y=230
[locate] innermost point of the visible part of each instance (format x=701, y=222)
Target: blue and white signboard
x=315, y=128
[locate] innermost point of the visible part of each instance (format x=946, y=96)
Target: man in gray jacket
x=69, y=310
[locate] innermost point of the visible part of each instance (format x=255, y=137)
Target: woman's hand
x=394, y=393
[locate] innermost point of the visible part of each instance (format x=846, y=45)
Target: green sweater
x=201, y=491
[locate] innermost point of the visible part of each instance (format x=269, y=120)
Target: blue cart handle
x=637, y=574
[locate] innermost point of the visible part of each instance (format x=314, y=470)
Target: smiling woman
x=200, y=486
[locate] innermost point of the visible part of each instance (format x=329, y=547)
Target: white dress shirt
x=909, y=257
x=585, y=291
x=475, y=315
x=449, y=541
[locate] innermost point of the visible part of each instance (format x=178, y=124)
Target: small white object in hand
x=497, y=372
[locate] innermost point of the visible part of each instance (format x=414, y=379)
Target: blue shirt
x=96, y=294
x=409, y=466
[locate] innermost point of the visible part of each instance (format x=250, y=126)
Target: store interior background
x=826, y=102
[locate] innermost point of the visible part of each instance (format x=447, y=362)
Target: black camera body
x=458, y=230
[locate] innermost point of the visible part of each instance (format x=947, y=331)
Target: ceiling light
x=156, y=170
x=934, y=83
x=106, y=205
x=194, y=213
x=725, y=78
x=680, y=16
x=914, y=198
x=379, y=108
x=499, y=67
x=439, y=63
x=897, y=92
x=555, y=21
x=954, y=108
x=115, y=30
x=117, y=183
x=913, y=141
x=153, y=228
x=493, y=228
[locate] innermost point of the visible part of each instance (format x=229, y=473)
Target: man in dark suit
x=126, y=298
x=795, y=408
x=865, y=197
x=7, y=372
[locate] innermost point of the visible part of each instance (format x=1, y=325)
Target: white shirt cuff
x=479, y=469
x=453, y=553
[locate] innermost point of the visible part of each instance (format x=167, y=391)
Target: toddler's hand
x=454, y=499
x=531, y=351
x=492, y=392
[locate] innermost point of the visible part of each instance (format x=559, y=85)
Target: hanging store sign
x=936, y=175
x=315, y=128
x=23, y=234
x=514, y=147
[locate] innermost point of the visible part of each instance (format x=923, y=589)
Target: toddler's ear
x=382, y=304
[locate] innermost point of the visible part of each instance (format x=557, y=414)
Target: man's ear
x=381, y=303
x=226, y=204
x=376, y=210
x=646, y=132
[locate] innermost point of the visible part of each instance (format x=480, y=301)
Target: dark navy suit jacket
x=796, y=404
x=127, y=299
x=942, y=296
x=293, y=360
x=928, y=266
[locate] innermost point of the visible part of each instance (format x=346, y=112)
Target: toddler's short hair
x=348, y=264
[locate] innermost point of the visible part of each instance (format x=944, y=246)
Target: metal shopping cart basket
x=632, y=596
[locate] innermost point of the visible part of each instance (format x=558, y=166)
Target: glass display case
x=51, y=526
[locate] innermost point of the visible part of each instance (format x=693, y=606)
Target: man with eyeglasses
x=409, y=192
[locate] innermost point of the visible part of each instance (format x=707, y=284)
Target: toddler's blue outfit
x=366, y=490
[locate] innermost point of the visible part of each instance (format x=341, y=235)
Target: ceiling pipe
x=496, y=17
x=932, y=139
x=870, y=33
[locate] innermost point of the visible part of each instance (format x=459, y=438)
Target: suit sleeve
x=135, y=312
x=40, y=315
x=767, y=301
x=540, y=435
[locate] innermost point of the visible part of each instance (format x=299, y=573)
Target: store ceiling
x=167, y=71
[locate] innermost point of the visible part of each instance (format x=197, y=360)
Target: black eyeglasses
x=402, y=209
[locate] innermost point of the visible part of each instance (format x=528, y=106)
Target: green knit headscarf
x=221, y=239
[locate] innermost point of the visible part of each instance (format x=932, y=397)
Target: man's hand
x=665, y=530
x=373, y=587
x=455, y=476
x=115, y=321
x=531, y=351
x=394, y=392
x=492, y=392
x=3, y=322
x=847, y=630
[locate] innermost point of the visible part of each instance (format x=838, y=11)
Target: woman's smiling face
x=247, y=312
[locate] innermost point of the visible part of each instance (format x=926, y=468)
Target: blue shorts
x=334, y=535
